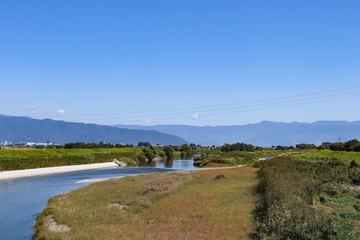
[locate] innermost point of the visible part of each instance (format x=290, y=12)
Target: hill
x=265, y=133
x=25, y=129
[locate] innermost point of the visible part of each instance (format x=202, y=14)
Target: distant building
x=32, y=144
x=326, y=144
x=156, y=145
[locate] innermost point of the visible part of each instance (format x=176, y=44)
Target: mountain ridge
x=25, y=129
x=265, y=133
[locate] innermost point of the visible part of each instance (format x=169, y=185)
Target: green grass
x=315, y=155
x=225, y=159
x=217, y=158
x=308, y=195
x=157, y=206
x=14, y=159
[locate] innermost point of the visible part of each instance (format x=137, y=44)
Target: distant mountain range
x=265, y=133
x=25, y=129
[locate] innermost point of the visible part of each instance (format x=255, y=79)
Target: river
x=23, y=199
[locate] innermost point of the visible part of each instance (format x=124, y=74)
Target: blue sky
x=180, y=62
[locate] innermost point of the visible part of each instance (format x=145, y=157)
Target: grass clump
x=163, y=184
x=219, y=177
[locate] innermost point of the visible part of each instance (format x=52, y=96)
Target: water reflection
x=171, y=163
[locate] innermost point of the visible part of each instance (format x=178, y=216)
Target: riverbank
x=18, y=159
x=5, y=175
x=218, y=158
x=212, y=204
x=324, y=202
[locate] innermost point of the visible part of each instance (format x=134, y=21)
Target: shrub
x=219, y=177
x=289, y=190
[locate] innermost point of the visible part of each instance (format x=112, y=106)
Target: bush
x=149, y=153
x=337, y=146
x=289, y=190
x=169, y=152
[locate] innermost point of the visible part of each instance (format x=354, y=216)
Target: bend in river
x=24, y=199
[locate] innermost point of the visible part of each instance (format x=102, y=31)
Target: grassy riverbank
x=217, y=158
x=309, y=195
x=211, y=204
x=315, y=155
x=301, y=194
x=15, y=159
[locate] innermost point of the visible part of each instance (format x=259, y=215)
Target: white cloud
x=61, y=111
x=147, y=120
x=195, y=116
x=33, y=109
x=30, y=108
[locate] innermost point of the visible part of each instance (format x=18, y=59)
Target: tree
x=352, y=145
x=237, y=147
x=337, y=146
x=193, y=145
x=144, y=144
x=279, y=147
x=305, y=146
x=169, y=152
x=149, y=153
x=186, y=151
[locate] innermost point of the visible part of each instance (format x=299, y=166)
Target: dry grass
x=163, y=184
x=158, y=206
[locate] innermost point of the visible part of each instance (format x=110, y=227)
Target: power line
x=203, y=108
x=218, y=110
x=244, y=110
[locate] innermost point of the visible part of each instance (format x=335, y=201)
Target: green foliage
x=149, y=153
x=81, y=145
x=296, y=195
x=283, y=148
x=321, y=147
x=186, y=151
x=233, y=158
x=305, y=146
x=337, y=146
x=193, y=145
x=144, y=144
x=169, y=152
x=15, y=159
x=352, y=145
x=237, y=147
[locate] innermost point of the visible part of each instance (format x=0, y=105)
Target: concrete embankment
x=51, y=170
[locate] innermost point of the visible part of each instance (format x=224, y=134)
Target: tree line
x=237, y=147
x=349, y=146
x=81, y=145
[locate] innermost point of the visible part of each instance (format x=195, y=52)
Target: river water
x=22, y=200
